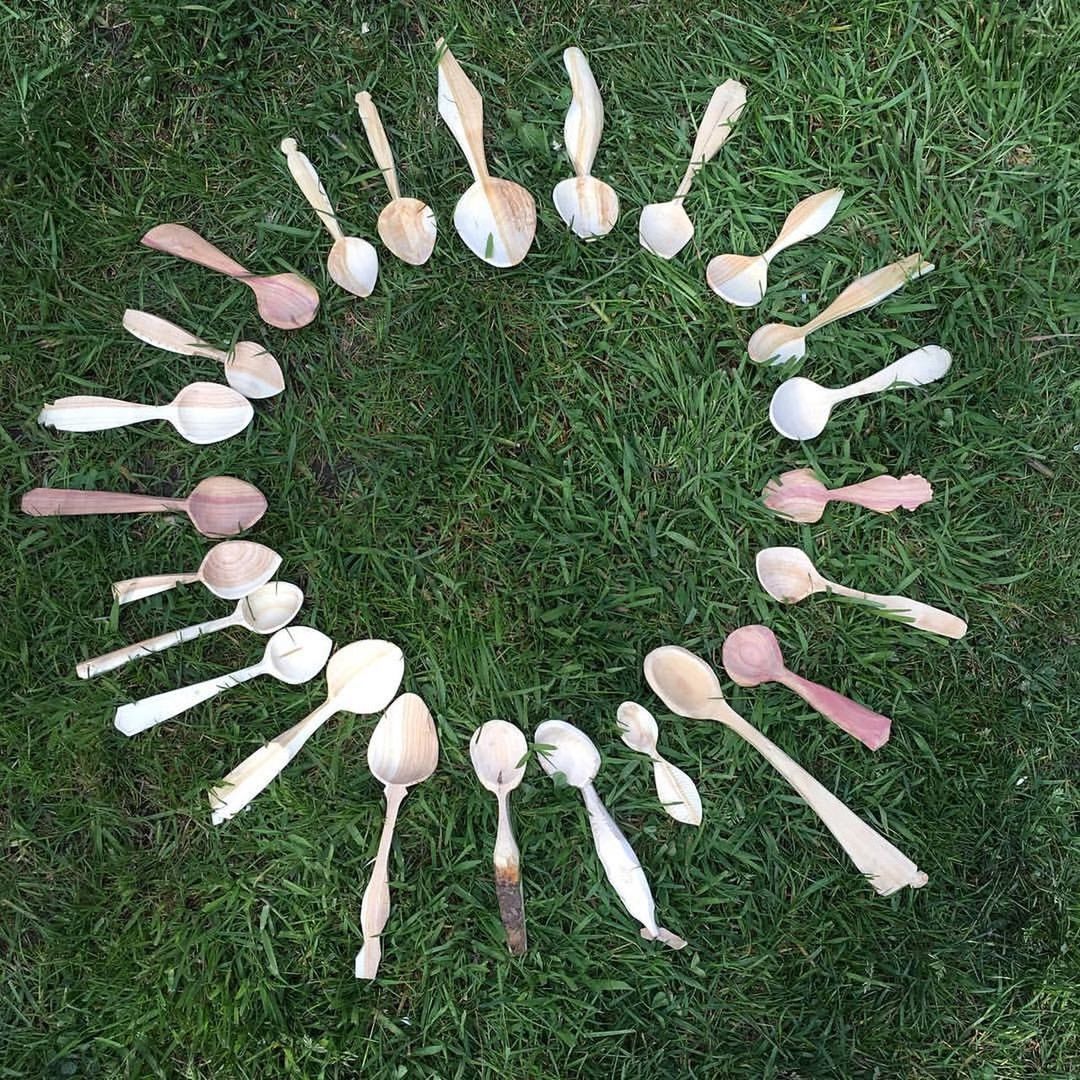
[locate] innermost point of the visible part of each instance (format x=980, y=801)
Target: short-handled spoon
x=800, y=496
x=678, y=794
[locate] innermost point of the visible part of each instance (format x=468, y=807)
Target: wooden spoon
x=563, y=748
x=800, y=496
x=496, y=218
x=498, y=750
x=690, y=688
x=788, y=575
x=665, y=228
x=676, y=791
x=752, y=656
x=404, y=750
x=287, y=301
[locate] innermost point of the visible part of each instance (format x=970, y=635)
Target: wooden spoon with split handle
x=800, y=496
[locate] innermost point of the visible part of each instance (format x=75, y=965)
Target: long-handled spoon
x=788, y=575
x=498, y=750
x=689, y=687
x=287, y=301
x=563, y=748
x=678, y=794
x=403, y=751
x=752, y=656
x=665, y=228
x=800, y=496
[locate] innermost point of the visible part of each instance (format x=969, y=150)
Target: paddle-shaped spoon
x=287, y=301
x=742, y=279
x=361, y=678
x=294, y=655
x=788, y=575
x=404, y=750
x=689, y=687
x=678, y=794
x=800, y=408
x=268, y=609
x=800, y=496
x=588, y=205
x=563, y=748
x=752, y=656
x=498, y=750
x=496, y=218
x=665, y=228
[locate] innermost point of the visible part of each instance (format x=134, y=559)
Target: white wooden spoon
x=678, y=794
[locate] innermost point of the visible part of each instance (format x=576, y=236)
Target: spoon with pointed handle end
x=741, y=280
x=665, y=228
x=689, y=687
x=294, y=655
x=361, y=678
x=800, y=496
x=498, y=751
x=678, y=794
x=563, y=748
x=287, y=301
x=268, y=609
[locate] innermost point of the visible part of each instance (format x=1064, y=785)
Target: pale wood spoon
x=678, y=794
x=800, y=496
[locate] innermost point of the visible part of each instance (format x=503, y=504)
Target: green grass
x=529, y=478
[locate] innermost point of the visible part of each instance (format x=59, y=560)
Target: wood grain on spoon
x=800, y=496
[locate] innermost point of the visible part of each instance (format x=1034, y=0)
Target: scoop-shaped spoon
x=800, y=496
x=741, y=280
x=788, y=575
x=563, y=748
x=361, y=678
x=678, y=794
x=498, y=749
x=404, y=750
x=752, y=656
x=665, y=228
x=588, y=205
x=265, y=611
x=689, y=687
x=294, y=655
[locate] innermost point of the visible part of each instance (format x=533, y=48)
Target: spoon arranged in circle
x=800, y=496
x=678, y=794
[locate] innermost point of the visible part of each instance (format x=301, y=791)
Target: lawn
x=528, y=478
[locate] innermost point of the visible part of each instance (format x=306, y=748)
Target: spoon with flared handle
x=678, y=794
x=800, y=496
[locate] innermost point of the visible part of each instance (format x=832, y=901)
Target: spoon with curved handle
x=800, y=496
x=678, y=794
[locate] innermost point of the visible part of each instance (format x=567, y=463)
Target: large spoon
x=498, y=750
x=800, y=496
x=678, y=794
x=665, y=228
x=563, y=748
x=404, y=750
x=788, y=575
x=690, y=688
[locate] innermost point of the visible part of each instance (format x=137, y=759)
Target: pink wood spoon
x=800, y=496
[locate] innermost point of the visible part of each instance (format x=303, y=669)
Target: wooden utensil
x=800, y=408
x=689, y=687
x=665, y=228
x=218, y=506
x=777, y=343
x=788, y=575
x=406, y=226
x=800, y=496
x=287, y=301
x=752, y=656
x=362, y=678
x=741, y=280
x=496, y=218
x=498, y=751
x=677, y=793
x=404, y=750
x=294, y=655
x=588, y=205
x=563, y=748
x=249, y=368
x=270, y=608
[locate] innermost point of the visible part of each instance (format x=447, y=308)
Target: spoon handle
x=70, y=502
x=884, y=494
x=913, y=612
x=377, y=140
x=585, y=118
x=870, y=728
x=88, y=669
x=508, y=882
x=187, y=244
x=925, y=365
x=163, y=334
x=140, y=587
x=87, y=413
x=375, y=909
x=724, y=107
x=462, y=110
x=678, y=794
x=868, y=290
x=307, y=180
x=807, y=219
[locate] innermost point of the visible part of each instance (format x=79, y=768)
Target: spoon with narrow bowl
x=678, y=794
x=800, y=496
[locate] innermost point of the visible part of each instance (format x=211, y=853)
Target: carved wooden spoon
x=677, y=793
x=800, y=496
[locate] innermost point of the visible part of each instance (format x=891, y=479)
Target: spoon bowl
x=638, y=727
x=800, y=408
x=235, y=568
x=741, y=280
x=497, y=220
x=563, y=748
x=665, y=228
x=224, y=506
x=407, y=227
x=497, y=750
x=752, y=656
x=684, y=682
x=353, y=265
x=297, y=654
x=777, y=343
x=787, y=574
x=209, y=412
x=588, y=205
x=271, y=607
x=252, y=370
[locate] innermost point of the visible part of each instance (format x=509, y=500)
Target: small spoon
x=690, y=688
x=742, y=279
x=676, y=791
x=665, y=228
x=287, y=301
x=294, y=655
x=270, y=608
x=588, y=205
x=778, y=342
x=800, y=496
x=800, y=408
x=498, y=751
x=563, y=748
x=404, y=750
x=752, y=656
x=406, y=226
x=788, y=575
x=249, y=368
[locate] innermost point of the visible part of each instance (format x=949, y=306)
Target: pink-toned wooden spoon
x=800, y=496
x=752, y=656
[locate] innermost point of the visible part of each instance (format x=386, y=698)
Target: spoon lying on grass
x=800, y=496
x=677, y=793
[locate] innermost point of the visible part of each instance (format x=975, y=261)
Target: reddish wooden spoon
x=800, y=496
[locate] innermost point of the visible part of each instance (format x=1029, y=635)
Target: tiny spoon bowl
x=638, y=727
x=752, y=656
